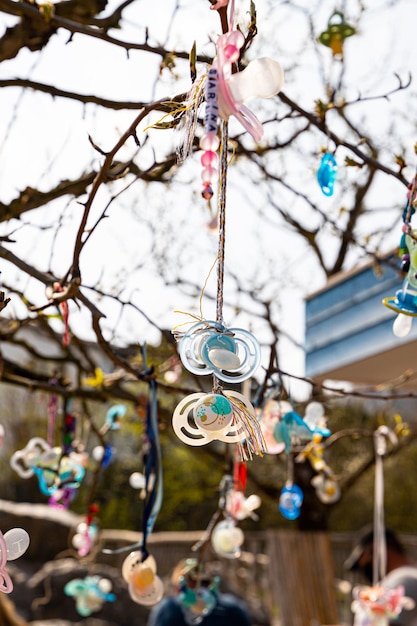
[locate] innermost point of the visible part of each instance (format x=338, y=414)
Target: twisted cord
x=222, y=222
x=221, y=201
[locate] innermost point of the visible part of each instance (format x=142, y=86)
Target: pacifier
x=90, y=593
x=145, y=587
x=227, y=539
x=290, y=501
x=326, y=174
x=405, y=300
x=196, y=604
x=103, y=455
x=22, y=461
x=232, y=355
x=262, y=78
x=316, y=419
x=13, y=544
x=327, y=488
x=84, y=538
x=239, y=506
x=200, y=418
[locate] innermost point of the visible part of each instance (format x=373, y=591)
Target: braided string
x=221, y=202
x=222, y=221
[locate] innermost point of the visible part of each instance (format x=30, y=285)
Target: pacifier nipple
x=262, y=78
x=224, y=359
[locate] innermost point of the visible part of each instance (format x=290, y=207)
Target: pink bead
x=209, y=175
x=209, y=158
x=209, y=141
x=231, y=53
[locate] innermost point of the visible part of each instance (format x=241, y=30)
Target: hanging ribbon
x=380, y=549
x=153, y=471
x=70, y=424
x=52, y=409
x=239, y=473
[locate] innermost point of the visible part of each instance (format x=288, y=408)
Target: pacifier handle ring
x=250, y=122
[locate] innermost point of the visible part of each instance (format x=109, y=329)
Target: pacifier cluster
x=376, y=605
x=286, y=431
x=59, y=474
x=145, y=587
x=198, y=592
x=231, y=355
x=226, y=536
x=325, y=482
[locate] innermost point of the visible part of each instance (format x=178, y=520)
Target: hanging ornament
x=262, y=78
x=90, y=593
x=327, y=488
x=58, y=295
x=13, y=544
x=86, y=533
x=313, y=452
x=377, y=605
x=316, y=419
x=114, y=416
x=405, y=300
x=103, y=455
x=197, y=601
x=236, y=504
x=290, y=501
x=70, y=423
x=139, y=567
x=326, y=174
x=36, y=450
x=291, y=496
x=212, y=417
x=291, y=429
x=145, y=587
x=325, y=483
x=337, y=31
x=52, y=408
x=227, y=539
x=231, y=354
x=272, y=414
x=137, y=481
x=197, y=590
x=53, y=469
x=228, y=417
x=239, y=507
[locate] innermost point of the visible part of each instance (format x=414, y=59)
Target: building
x=349, y=335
